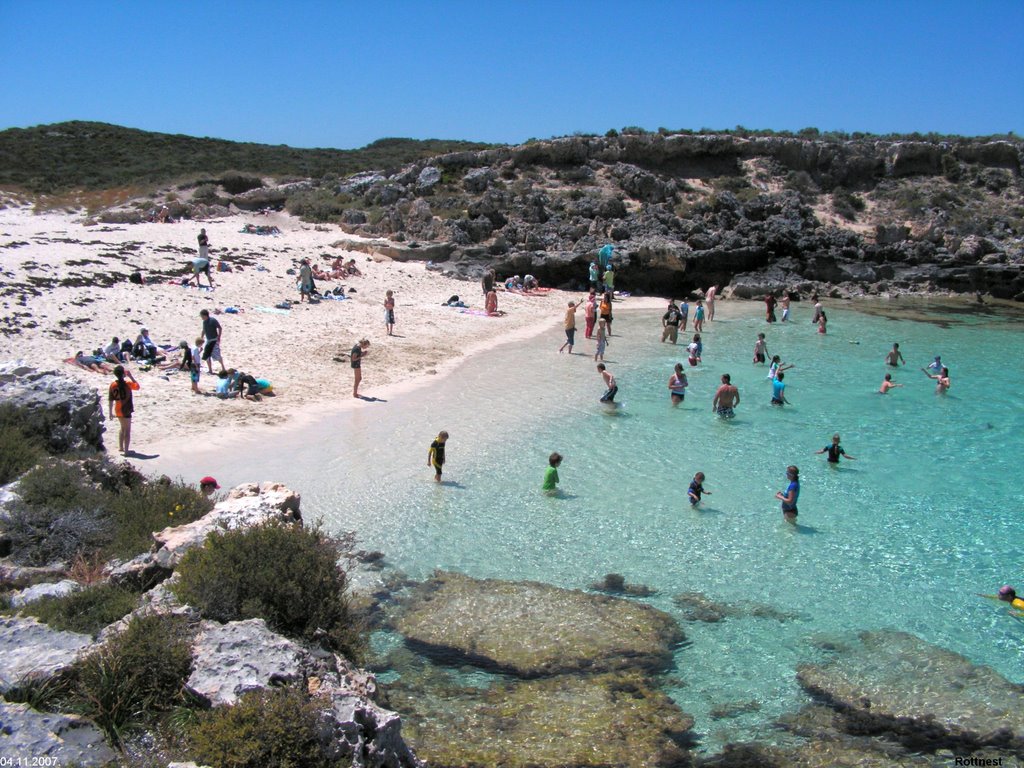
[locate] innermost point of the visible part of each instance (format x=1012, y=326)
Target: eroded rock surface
x=29, y=648
x=67, y=412
x=33, y=737
x=531, y=629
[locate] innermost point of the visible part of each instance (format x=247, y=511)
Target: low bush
x=847, y=204
x=236, y=183
x=317, y=205
x=87, y=611
x=285, y=574
x=39, y=428
x=20, y=447
x=58, y=485
x=135, y=676
x=136, y=512
x=44, y=694
x=272, y=727
x=43, y=535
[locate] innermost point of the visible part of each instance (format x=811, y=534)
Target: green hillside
x=73, y=155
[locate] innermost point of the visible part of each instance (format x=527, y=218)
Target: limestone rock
x=926, y=696
x=531, y=629
x=29, y=648
x=247, y=505
x=69, y=412
x=39, y=591
x=66, y=739
x=429, y=178
x=478, y=179
x=231, y=659
x=599, y=720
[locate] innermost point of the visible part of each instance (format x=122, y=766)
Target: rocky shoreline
x=573, y=677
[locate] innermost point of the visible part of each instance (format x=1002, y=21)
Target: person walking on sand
x=677, y=384
x=602, y=341
x=895, y=357
x=389, y=312
x=435, y=456
x=790, y=495
x=590, y=314
x=570, y=326
x=698, y=317
x=834, y=451
x=550, y=485
x=696, y=489
x=785, y=306
x=356, y=360
x=204, y=245
x=941, y=380
x=670, y=323
x=121, y=404
x=726, y=398
x=887, y=384
x=709, y=299
x=611, y=387
x=190, y=364
x=760, y=350
x=212, y=332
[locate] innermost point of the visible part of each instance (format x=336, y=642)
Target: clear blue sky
x=342, y=74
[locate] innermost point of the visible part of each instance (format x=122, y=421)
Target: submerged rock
x=601, y=720
x=696, y=606
x=926, y=696
x=45, y=738
x=531, y=629
x=31, y=649
x=615, y=584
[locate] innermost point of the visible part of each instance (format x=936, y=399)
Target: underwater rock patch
x=531, y=629
x=926, y=696
x=601, y=720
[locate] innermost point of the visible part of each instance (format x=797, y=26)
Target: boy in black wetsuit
x=834, y=451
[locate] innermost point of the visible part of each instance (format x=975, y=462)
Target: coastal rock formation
x=925, y=696
x=28, y=595
x=224, y=666
x=601, y=720
x=246, y=505
x=531, y=629
x=44, y=736
x=31, y=649
x=696, y=606
x=64, y=411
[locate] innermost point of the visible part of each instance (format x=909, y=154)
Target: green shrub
x=59, y=485
x=317, y=205
x=285, y=574
x=45, y=694
x=136, y=512
x=42, y=535
x=236, y=183
x=36, y=426
x=87, y=611
x=273, y=727
x=18, y=453
x=847, y=204
x=135, y=676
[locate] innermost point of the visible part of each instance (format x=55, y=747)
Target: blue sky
x=342, y=74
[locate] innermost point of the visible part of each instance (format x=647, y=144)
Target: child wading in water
x=389, y=312
x=696, y=489
x=609, y=382
x=435, y=457
x=550, y=486
x=602, y=340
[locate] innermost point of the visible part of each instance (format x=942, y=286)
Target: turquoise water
x=930, y=513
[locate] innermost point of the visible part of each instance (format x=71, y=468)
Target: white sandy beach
x=46, y=322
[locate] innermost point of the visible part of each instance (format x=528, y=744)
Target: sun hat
x=209, y=481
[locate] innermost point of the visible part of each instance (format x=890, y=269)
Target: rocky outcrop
x=696, y=606
x=30, y=649
x=531, y=629
x=63, y=410
x=225, y=666
x=28, y=595
x=600, y=720
x=46, y=738
x=925, y=696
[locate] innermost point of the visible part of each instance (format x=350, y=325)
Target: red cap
x=209, y=481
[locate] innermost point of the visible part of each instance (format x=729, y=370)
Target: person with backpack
x=121, y=405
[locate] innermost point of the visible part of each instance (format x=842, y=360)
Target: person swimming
x=1008, y=594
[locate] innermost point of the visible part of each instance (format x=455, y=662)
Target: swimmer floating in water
x=1008, y=594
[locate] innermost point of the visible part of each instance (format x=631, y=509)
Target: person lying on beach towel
x=96, y=363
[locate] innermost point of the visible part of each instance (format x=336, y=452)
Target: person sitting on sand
x=941, y=380
x=352, y=269
x=491, y=303
x=127, y=349
x=112, y=352
x=92, y=362
x=887, y=384
x=146, y=350
x=530, y=282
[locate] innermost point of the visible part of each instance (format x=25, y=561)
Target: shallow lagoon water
x=930, y=513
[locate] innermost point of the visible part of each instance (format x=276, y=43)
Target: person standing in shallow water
x=726, y=398
x=895, y=357
x=941, y=380
x=834, y=451
x=435, y=456
x=769, y=307
x=356, y=361
x=590, y=313
x=790, y=495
